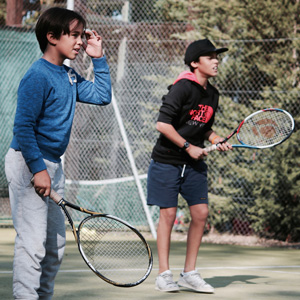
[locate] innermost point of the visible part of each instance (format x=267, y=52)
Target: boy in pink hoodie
x=177, y=166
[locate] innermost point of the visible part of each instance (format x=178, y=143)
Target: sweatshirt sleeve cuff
x=100, y=63
x=37, y=166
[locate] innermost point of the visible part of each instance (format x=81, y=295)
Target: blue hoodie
x=47, y=98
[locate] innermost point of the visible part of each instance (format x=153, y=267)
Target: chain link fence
x=109, y=152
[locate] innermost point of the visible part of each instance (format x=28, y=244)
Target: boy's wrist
x=215, y=139
x=186, y=145
x=102, y=55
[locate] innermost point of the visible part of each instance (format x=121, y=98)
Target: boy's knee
x=167, y=214
x=200, y=215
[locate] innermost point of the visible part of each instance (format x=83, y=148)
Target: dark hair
x=56, y=20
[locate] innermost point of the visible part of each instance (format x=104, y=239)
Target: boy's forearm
x=170, y=133
x=212, y=137
x=97, y=92
x=28, y=109
x=102, y=79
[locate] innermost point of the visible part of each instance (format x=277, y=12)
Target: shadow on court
x=224, y=281
x=236, y=272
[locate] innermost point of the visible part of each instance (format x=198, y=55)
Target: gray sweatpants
x=40, y=229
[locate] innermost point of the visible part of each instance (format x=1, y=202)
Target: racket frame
x=242, y=144
x=60, y=201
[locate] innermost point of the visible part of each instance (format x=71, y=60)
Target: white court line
x=60, y=271
x=207, y=268
x=263, y=268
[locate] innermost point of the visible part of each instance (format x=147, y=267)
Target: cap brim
x=221, y=50
x=218, y=51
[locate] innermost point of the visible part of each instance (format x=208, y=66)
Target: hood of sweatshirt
x=187, y=75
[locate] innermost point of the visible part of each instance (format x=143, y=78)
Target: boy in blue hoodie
x=47, y=97
x=177, y=166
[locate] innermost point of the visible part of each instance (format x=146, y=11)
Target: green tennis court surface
x=236, y=272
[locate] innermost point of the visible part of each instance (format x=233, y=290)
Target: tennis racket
x=113, y=249
x=263, y=129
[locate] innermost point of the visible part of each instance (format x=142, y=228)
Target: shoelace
x=197, y=277
x=168, y=278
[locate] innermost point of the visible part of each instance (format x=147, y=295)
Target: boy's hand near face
x=93, y=47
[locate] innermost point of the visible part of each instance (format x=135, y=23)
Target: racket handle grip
x=211, y=148
x=55, y=196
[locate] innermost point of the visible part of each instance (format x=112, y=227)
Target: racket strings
x=114, y=250
x=265, y=129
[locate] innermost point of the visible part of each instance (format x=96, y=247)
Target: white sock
x=164, y=272
x=188, y=273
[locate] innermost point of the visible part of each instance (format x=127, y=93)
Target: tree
x=14, y=10
x=260, y=70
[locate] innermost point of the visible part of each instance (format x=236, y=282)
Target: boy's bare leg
x=165, y=225
x=199, y=215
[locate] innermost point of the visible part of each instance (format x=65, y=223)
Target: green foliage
x=2, y=12
x=222, y=19
x=277, y=201
x=263, y=38
x=221, y=211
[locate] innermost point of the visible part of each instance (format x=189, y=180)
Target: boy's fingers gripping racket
x=113, y=249
x=263, y=129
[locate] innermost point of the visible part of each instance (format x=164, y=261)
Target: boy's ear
x=194, y=64
x=51, y=38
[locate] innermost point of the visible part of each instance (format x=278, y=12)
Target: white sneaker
x=164, y=282
x=194, y=281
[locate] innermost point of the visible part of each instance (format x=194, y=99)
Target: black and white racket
x=263, y=129
x=113, y=249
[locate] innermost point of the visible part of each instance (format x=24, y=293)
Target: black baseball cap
x=199, y=48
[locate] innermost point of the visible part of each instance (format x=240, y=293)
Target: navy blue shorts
x=166, y=181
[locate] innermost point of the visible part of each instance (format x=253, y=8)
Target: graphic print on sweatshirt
x=201, y=116
x=72, y=77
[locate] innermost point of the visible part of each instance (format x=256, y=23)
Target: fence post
x=132, y=164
